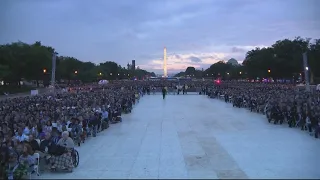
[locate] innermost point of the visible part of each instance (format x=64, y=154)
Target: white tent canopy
x=103, y=81
x=318, y=87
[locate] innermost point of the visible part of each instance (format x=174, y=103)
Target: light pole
x=306, y=71
x=53, y=73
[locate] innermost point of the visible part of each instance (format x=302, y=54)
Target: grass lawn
x=15, y=89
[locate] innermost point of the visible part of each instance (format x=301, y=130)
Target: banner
x=34, y=92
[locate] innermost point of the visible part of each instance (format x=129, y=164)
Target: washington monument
x=165, y=71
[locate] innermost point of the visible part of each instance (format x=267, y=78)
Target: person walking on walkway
x=164, y=92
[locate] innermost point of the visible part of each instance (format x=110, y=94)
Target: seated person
x=33, y=143
x=13, y=166
x=45, y=142
x=19, y=146
x=8, y=141
x=21, y=137
x=55, y=135
x=117, y=114
x=26, y=158
x=64, y=161
x=47, y=145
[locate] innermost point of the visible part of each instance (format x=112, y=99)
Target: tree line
x=21, y=61
x=282, y=60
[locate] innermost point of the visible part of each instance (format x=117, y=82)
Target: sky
x=196, y=33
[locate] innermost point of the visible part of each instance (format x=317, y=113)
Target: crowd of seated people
x=281, y=103
x=51, y=125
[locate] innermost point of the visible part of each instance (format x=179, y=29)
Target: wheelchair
x=75, y=157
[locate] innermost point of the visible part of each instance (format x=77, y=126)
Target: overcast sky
x=196, y=32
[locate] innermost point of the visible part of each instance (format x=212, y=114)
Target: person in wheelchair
x=126, y=108
x=63, y=158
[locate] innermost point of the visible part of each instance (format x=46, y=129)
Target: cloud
x=138, y=29
x=236, y=50
x=180, y=62
x=195, y=59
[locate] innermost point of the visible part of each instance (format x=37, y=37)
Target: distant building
x=233, y=62
x=133, y=65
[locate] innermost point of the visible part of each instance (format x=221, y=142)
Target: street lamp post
x=306, y=71
x=53, y=72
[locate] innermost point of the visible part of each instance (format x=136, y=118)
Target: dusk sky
x=196, y=33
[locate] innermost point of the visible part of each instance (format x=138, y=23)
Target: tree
x=37, y=59
x=283, y=59
x=4, y=71
x=180, y=74
x=259, y=61
x=190, y=71
x=20, y=60
x=219, y=69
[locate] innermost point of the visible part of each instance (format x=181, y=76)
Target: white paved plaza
x=192, y=136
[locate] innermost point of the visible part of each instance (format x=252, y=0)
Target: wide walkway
x=192, y=136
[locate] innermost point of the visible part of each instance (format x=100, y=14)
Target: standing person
x=105, y=121
x=183, y=89
x=164, y=92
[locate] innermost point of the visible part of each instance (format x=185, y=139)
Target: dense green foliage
x=282, y=60
x=34, y=61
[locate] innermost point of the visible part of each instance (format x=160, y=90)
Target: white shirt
x=59, y=127
x=308, y=120
x=105, y=114
x=22, y=138
x=48, y=128
x=26, y=131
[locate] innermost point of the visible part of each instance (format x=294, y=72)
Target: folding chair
x=35, y=166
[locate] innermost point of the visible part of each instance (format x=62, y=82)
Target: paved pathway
x=196, y=137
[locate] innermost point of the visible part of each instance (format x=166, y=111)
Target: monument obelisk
x=165, y=71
